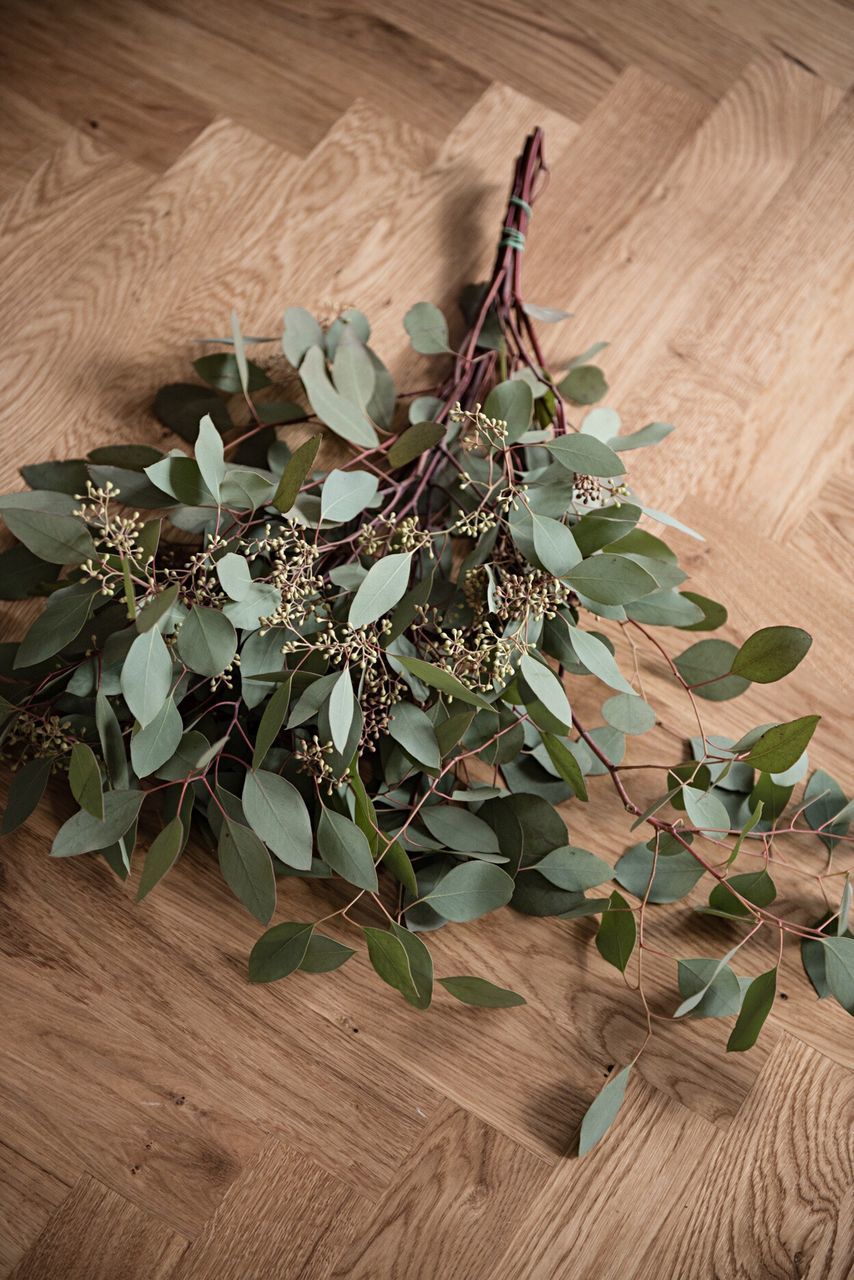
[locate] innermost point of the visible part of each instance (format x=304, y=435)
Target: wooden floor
x=162, y=161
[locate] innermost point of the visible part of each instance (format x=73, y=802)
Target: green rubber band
x=513, y=238
x=523, y=204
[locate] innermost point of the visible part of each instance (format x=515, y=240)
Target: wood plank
x=462, y=1190
x=70, y=202
x=29, y=1194
x=85, y=84
x=282, y=1217
x=768, y=1202
x=97, y=1235
x=595, y=1216
x=28, y=138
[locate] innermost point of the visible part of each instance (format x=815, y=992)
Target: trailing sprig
x=312, y=649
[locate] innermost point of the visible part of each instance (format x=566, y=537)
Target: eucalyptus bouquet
x=354, y=657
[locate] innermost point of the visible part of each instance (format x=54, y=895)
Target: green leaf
x=344, y=848
x=276, y=812
x=271, y=722
x=483, y=994
x=207, y=641
x=342, y=708
x=756, y=886
x=280, y=951
x=554, y=544
x=756, y=1005
x=470, y=890
x=711, y=660
x=584, y=384
x=247, y=869
x=783, y=744
x=710, y=988
x=595, y=656
x=64, y=617
x=676, y=874
x=615, y=939
x=84, y=779
x=707, y=812
x=84, y=834
x=629, y=713
x=181, y=405
x=611, y=579
x=413, y=730
x=163, y=611
x=161, y=857
x=771, y=653
x=293, y=476
x=234, y=575
x=324, y=954
x=585, y=455
x=147, y=675
x=381, y=588
x=416, y=440
x=714, y=614
x=222, y=372
x=511, y=402
x=574, y=869
x=458, y=829
x=25, y=791
x=546, y=688
x=210, y=457
x=302, y=332
x=112, y=742
x=338, y=413
x=23, y=574
x=603, y=1111
x=59, y=539
x=652, y=433
x=157, y=742
x=566, y=764
x=826, y=800
x=345, y=494
x=427, y=329
x=444, y=681
x=839, y=965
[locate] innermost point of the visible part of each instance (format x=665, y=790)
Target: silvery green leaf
x=210, y=457
x=84, y=779
x=342, y=417
x=342, y=707
x=157, y=742
x=424, y=409
x=653, y=433
x=207, y=641
x=675, y=875
x=427, y=329
x=707, y=812
x=345, y=849
x=83, y=833
x=239, y=353
x=585, y=455
x=44, y=500
x=181, y=478
x=546, y=687
x=584, y=384
x=247, y=869
x=221, y=370
x=444, y=681
x=161, y=856
x=353, y=373
x=350, y=325
x=147, y=676
x=595, y=656
x=384, y=585
x=261, y=601
x=715, y=984
x=112, y=742
x=588, y=355
x=276, y=812
x=665, y=609
x=602, y=423
x=234, y=575
x=346, y=494
x=511, y=402
x=312, y=699
x=261, y=654
x=825, y=801
x=839, y=968
x=247, y=488
x=547, y=315
x=413, y=730
x=574, y=869
x=602, y=1112
x=458, y=829
x=301, y=332
x=611, y=580
x=59, y=539
x=162, y=611
x=64, y=617
x=554, y=545
x=470, y=890
x=629, y=713
x=663, y=518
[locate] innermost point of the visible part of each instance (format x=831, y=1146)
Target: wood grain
x=163, y=160
x=96, y=1235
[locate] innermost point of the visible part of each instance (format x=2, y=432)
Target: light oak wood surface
x=163, y=160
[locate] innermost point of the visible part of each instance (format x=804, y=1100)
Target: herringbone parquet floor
x=167, y=159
